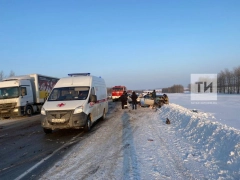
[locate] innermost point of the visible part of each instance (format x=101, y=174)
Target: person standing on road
x=134, y=100
x=124, y=99
x=154, y=94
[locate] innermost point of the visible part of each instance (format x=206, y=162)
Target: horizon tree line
x=2, y=76
x=176, y=88
x=228, y=82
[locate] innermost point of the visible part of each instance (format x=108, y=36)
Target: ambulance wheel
x=8, y=117
x=88, y=124
x=29, y=111
x=47, y=131
x=104, y=115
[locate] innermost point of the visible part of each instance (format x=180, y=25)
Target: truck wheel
x=47, y=131
x=88, y=124
x=29, y=111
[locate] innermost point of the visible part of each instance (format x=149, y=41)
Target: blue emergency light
x=79, y=74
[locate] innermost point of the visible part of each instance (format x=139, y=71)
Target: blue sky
x=139, y=44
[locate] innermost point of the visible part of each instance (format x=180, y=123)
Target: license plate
x=58, y=120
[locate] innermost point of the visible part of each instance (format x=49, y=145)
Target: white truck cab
x=23, y=95
x=75, y=102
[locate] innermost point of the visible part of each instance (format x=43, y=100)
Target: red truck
x=117, y=91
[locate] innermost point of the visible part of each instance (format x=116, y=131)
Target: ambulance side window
x=92, y=91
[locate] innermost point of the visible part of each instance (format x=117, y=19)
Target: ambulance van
x=75, y=102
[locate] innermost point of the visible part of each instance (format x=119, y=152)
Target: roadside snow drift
x=218, y=145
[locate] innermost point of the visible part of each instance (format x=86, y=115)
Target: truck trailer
x=24, y=95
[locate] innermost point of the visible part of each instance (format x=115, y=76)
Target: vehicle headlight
x=43, y=112
x=15, y=110
x=79, y=109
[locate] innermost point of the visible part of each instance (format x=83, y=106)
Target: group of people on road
x=124, y=99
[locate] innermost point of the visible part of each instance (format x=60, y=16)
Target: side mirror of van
x=93, y=98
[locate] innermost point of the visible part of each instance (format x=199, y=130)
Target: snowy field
x=138, y=144
x=226, y=110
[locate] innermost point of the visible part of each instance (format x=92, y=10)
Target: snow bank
x=217, y=145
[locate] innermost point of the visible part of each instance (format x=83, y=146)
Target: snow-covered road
x=138, y=144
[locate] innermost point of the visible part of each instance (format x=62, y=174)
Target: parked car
x=147, y=101
x=130, y=99
x=144, y=101
x=139, y=98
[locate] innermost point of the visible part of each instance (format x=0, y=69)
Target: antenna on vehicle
x=79, y=74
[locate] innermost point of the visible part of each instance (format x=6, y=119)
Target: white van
x=75, y=102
